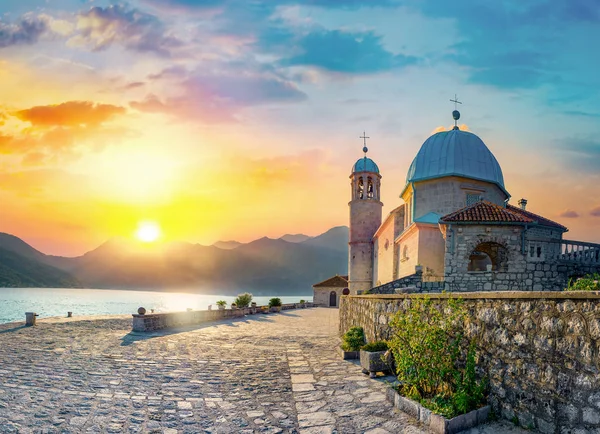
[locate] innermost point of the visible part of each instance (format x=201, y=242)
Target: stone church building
x=456, y=229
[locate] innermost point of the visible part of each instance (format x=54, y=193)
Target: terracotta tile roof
x=485, y=211
x=540, y=220
x=335, y=282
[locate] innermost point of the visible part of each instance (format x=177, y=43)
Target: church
x=455, y=230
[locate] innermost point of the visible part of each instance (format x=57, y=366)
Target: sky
x=237, y=119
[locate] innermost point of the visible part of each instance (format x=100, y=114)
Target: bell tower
x=365, y=219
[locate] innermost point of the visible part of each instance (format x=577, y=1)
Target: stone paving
x=276, y=373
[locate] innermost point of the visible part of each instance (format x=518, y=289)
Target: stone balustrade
x=157, y=321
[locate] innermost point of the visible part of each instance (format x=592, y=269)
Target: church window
x=472, y=198
x=369, y=188
x=488, y=254
x=536, y=251
x=405, y=253
x=361, y=188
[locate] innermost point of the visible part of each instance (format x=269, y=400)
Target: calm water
x=14, y=302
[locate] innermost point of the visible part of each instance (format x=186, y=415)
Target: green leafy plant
x=302, y=301
x=436, y=364
x=243, y=300
x=353, y=339
x=375, y=346
x=222, y=303
x=589, y=282
x=275, y=302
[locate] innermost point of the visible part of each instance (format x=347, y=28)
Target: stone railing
x=569, y=250
x=539, y=350
x=158, y=321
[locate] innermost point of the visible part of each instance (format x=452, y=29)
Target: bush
x=302, y=301
x=590, y=282
x=274, y=302
x=221, y=303
x=243, y=300
x=435, y=362
x=375, y=346
x=353, y=339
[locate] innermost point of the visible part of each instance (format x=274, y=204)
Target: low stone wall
x=540, y=350
x=158, y=321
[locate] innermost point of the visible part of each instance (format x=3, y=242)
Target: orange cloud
x=70, y=114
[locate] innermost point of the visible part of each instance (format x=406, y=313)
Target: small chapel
x=456, y=228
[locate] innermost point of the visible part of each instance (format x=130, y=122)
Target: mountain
x=264, y=266
x=227, y=245
x=22, y=271
x=295, y=238
x=335, y=238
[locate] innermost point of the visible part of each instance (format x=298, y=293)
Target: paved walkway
x=276, y=373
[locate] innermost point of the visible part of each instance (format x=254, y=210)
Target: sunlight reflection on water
x=14, y=302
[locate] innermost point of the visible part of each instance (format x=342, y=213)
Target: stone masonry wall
x=408, y=284
x=540, y=351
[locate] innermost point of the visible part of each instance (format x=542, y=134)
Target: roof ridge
x=529, y=213
x=486, y=211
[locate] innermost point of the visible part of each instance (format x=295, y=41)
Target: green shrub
x=435, y=363
x=353, y=339
x=275, y=302
x=590, y=282
x=243, y=300
x=375, y=346
x=221, y=303
x=302, y=301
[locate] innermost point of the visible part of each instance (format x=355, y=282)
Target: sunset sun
x=148, y=232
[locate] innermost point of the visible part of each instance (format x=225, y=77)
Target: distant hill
x=21, y=271
x=227, y=245
x=295, y=238
x=264, y=266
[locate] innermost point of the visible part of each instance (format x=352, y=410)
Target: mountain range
x=287, y=265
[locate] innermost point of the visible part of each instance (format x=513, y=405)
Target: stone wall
x=321, y=295
x=540, y=351
x=448, y=194
x=525, y=268
x=408, y=284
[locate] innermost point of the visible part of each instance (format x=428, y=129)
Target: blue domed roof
x=365, y=165
x=457, y=153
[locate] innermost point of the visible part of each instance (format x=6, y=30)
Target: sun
x=148, y=232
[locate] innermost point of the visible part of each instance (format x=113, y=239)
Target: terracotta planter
x=275, y=309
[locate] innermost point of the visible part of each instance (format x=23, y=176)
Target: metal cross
x=364, y=137
x=455, y=101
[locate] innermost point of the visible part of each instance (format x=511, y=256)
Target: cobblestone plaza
x=276, y=373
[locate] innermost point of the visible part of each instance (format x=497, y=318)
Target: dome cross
x=364, y=137
x=455, y=113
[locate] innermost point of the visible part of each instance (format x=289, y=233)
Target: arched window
x=361, y=189
x=486, y=254
x=370, y=189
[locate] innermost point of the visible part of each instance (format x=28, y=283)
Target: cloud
x=62, y=131
x=569, y=213
x=595, y=211
x=27, y=30
x=580, y=153
x=72, y=113
x=215, y=97
x=347, y=52
x=100, y=28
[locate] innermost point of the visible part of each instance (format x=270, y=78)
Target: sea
x=49, y=302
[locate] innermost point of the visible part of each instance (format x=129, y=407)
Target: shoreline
x=65, y=319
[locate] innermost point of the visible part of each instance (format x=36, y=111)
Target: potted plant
x=418, y=268
x=374, y=357
x=352, y=340
x=221, y=304
x=242, y=301
x=264, y=309
x=302, y=304
x=275, y=304
x=253, y=308
x=233, y=306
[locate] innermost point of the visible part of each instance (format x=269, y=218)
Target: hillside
x=264, y=266
x=20, y=271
